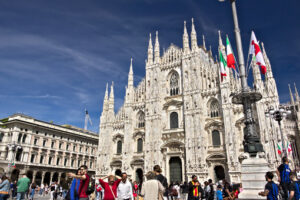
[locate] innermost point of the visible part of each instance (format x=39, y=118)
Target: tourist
x=110, y=188
x=14, y=189
x=210, y=190
x=271, y=189
x=283, y=174
x=194, y=189
x=99, y=190
x=84, y=182
x=42, y=189
x=32, y=191
x=75, y=187
x=219, y=195
x=135, y=190
x=4, y=188
x=294, y=187
x=184, y=190
x=22, y=187
x=227, y=190
x=162, y=179
x=124, y=190
x=152, y=189
x=176, y=188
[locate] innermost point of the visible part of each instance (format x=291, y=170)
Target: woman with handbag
x=152, y=189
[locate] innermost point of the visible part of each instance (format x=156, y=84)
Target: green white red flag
x=279, y=149
x=230, y=57
x=222, y=65
x=255, y=50
x=289, y=147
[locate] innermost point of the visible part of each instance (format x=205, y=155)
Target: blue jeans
x=4, y=196
x=21, y=195
x=32, y=193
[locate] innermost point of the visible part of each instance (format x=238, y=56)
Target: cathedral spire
x=150, y=51
x=106, y=92
x=130, y=74
x=221, y=46
x=193, y=37
x=291, y=96
x=296, y=92
x=203, y=41
x=269, y=73
x=111, y=95
x=186, y=46
x=156, y=49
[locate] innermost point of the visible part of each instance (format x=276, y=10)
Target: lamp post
x=278, y=115
x=13, y=148
x=246, y=97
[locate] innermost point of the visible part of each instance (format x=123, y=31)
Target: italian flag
x=289, y=147
x=279, y=149
x=255, y=50
x=230, y=57
x=222, y=65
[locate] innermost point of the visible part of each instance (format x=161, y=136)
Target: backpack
x=285, y=174
x=273, y=195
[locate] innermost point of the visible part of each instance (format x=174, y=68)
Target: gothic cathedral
x=180, y=116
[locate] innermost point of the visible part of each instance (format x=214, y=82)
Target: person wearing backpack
x=294, y=187
x=271, y=189
x=84, y=182
x=283, y=174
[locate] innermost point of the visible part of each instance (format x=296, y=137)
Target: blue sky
x=56, y=56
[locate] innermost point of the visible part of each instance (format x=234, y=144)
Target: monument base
x=253, y=170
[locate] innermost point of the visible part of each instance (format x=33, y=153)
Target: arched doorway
x=38, y=178
x=29, y=174
x=175, y=170
x=47, y=178
x=55, y=177
x=15, y=175
x=219, y=172
x=118, y=172
x=139, y=175
x=63, y=178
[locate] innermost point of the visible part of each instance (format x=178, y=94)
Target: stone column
x=34, y=176
x=51, y=176
x=59, y=176
x=43, y=176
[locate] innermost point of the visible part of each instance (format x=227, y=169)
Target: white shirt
x=124, y=190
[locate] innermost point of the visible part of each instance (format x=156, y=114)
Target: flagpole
x=246, y=97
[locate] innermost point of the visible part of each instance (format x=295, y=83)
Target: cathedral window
x=173, y=120
x=214, y=109
x=174, y=84
x=141, y=120
x=140, y=145
x=119, y=147
x=216, y=140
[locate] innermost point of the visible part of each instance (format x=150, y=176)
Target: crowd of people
x=154, y=187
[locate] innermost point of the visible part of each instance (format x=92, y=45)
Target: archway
x=118, y=172
x=55, y=177
x=38, y=178
x=139, y=175
x=15, y=175
x=175, y=170
x=63, y=177
x=29, y=174
x=219, y=172
x=47, y=178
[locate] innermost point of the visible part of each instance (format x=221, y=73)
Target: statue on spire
x=150, y=50
x=194, y=37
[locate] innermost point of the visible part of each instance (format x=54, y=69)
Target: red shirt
x=107, y=191
x=84, y=184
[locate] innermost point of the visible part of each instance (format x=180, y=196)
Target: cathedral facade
x=181, y=117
